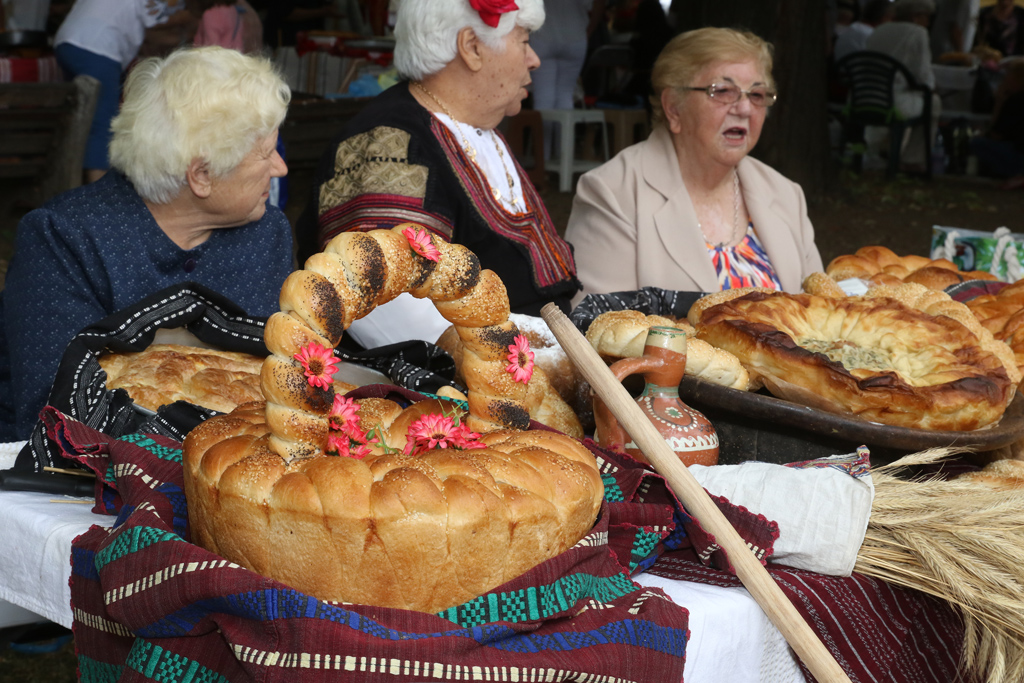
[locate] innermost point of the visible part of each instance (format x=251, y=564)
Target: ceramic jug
x=688, y=433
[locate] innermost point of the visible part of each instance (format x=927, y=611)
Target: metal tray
x=748, y=408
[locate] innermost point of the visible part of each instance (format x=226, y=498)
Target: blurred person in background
x=1000, y=151
x=1001, y=27
x=233, y=24
x=561, y=46
x=906, y=40
x=954, y=26
x=855, y=39
x=101, y=38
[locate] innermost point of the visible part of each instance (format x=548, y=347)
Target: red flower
x=436, y=430
x=520, y=360
x=353, y=432
x=465, y=438
x=343, y=411
x=491, y=10
x=319, y=364
x=337, y=444
x=420, y=242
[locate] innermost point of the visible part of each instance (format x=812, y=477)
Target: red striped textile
x=150, y=606
x=876, y=631
x=26, y=70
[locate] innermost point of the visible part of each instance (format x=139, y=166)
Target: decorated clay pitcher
x=687, y=432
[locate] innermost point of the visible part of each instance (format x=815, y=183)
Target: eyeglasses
x=727, y=93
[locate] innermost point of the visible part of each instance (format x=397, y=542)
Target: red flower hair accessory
x=490, y=11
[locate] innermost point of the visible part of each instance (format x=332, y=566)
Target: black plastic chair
x=870, y=77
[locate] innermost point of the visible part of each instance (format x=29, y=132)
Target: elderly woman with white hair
x=193, y=152
x=426, y=150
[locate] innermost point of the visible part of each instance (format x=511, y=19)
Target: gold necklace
x=735, y=215
x=471, y=152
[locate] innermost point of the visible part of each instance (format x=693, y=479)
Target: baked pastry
x=1002, y=314
x=1001, y=474
x=880, y=265
x=165, y=373
x=935, y=302
x=555, y=380
x=820, y=284
x=697, y=309
x=622, y=334
x=874, y=358
x=423, y=532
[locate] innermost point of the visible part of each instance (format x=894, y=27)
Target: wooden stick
x=73, y=502
x=62, y=470
x=755, y=577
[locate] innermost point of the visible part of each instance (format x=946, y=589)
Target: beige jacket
x=633, y=224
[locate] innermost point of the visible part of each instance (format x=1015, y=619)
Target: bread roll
x=881, y=266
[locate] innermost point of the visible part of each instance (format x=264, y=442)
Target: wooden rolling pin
x=755, y=577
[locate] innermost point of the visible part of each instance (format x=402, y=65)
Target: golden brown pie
x=871, y=357
x=165, y=373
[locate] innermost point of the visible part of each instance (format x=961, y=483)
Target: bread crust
x=555, y=379
x=899, y=366
x=423, y=533
x=622, y=334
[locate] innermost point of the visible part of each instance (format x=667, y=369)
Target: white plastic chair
x=567, y=165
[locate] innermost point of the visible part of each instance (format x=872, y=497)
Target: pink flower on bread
x=465, y=438
x=491, y=10
x=429, y=432
x=420, y=242
x=318, y=363
x=343, y=411
x=520, y=360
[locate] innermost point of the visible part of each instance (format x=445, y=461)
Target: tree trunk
x=795, y=137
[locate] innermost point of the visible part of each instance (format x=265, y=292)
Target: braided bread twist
x=357, y=272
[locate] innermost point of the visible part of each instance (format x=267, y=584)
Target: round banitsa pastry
x=388, y=529
x=874, y=358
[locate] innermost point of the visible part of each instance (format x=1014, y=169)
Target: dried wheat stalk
x=960, y=541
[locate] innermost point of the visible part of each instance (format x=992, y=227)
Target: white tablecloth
x=731, y=638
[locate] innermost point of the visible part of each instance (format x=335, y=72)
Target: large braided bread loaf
x=357, y=272
x=422, y=532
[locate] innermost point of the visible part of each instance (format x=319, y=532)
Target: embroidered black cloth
x=79, y=387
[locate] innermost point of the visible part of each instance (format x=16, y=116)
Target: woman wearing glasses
x=687, y=209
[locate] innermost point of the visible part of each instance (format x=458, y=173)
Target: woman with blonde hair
x=427, y=150
x=192, y=155
x=688, y=209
